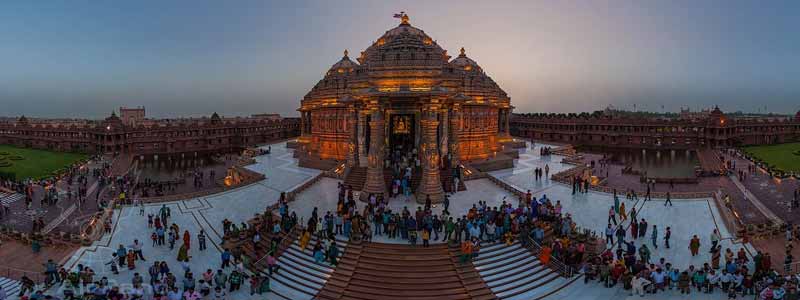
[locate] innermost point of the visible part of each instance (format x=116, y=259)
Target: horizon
x=191, y=59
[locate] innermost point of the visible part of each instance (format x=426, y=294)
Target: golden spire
x=403, y=18
x=463, y=52
x=345, y=52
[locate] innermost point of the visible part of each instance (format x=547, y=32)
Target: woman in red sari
x=187, y=239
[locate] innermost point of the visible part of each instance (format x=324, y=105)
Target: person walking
x=623, y=215
x=201, y=239
x=694, y=245
x=620, y=236
x=715, y=238
x=667, y=235
x=611, y=217
x=609, y=235
x=668, y=200
x=654, y=236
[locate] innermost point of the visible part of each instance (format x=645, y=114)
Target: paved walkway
x=206, y=213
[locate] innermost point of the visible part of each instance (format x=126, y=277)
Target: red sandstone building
x=403, y=93
x=715, y=129
x=140, y=136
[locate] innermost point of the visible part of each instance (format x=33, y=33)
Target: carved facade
x=404, y=88
x=147, y=137
x=713, y=129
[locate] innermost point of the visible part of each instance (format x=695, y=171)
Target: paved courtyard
x=686, y=217
x=206, y=213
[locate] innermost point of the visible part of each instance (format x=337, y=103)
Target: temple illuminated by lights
x=403, y=93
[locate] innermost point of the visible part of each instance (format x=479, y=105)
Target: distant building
x=266, y=116
x=692, y=130
x=132, y=116
x=133, y=134
x=688, y=114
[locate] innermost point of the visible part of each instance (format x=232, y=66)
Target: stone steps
x=11, y=286
x=512, y=272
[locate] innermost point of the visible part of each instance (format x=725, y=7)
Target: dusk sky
x=190, y=58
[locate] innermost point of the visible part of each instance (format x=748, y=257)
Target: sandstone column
x=430, y=185
x=444, y=136
x=352, y=156
x=508, y=122
x=362, y=137
x=375, y=183
x=455, y=130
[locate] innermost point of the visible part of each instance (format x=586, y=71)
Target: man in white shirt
x=713, y=280
x=639, y=283
x=725, y=280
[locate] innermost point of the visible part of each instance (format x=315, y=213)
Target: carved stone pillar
x=508, y=122
x=455, y=130
x=375, y=183
x=302, y=123
x=362, y=138
x=444, y=136
x=352, y=156
x=430, y=185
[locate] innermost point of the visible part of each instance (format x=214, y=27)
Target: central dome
x=404, y=45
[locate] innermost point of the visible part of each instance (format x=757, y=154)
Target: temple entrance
x=402, y=135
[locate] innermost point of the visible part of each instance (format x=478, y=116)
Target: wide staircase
x=299, y=276
x=446, y=177
x=710, y=160
x=513, y=272
x=378, y=271
x=10, y=286
x=8, y=197
x=356, y=178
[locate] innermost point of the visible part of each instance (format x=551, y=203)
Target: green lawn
x=35, y=163
x=778, y=156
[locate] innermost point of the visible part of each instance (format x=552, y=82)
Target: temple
x=403, y=101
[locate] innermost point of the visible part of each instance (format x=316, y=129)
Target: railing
x=793, y=269
x=289, y=235
x=16, y=274
x=555, y=263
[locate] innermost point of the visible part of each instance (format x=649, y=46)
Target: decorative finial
x=463, y=52
x=403, y=18
x=345, y=52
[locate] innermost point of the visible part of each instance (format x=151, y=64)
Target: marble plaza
x=686, y=217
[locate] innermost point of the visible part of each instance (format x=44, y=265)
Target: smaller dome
x=462, y=61
x=344, y=65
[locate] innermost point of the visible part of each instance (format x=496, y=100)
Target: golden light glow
x=420, y=89
x=467, y=68
x=389, y=89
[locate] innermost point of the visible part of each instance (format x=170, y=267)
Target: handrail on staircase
x=289, y=234
x=560, y=267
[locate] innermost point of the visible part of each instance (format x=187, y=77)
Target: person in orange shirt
x=544, y=255
x=466, y=251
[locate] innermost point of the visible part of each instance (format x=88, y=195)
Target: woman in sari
x=305, y=239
